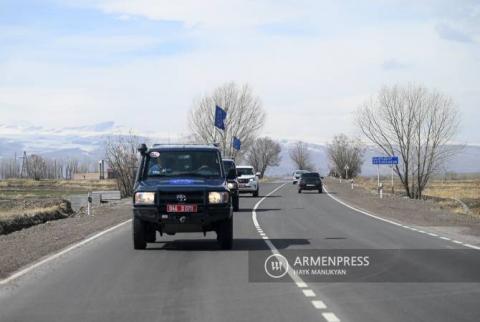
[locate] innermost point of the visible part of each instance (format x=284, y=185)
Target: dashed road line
x=308, y=293
x=399, y=224
x=330, y=317
x=318, y=304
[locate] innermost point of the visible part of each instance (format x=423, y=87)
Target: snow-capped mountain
x=87, y=142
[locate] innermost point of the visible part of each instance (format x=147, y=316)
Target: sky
x=141, y=64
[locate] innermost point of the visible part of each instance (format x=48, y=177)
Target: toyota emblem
x=181, y=198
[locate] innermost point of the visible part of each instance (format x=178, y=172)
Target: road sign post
x=390, y=160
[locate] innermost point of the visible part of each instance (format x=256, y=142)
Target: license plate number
x=310, y=185
x=181, y=208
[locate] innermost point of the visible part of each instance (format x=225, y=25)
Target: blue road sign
x=385, y=160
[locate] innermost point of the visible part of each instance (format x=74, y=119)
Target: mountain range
x=87, y=142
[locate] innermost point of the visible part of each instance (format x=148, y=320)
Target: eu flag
x=220, y=116
x=236, y=143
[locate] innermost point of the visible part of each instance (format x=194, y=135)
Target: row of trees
x=37, y=167
x=411, y=122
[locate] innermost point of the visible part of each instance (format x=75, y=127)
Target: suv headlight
x=231, y=185
x=251, y=180
x=145, y=198
x=216, y=197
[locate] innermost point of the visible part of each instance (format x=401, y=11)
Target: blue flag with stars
x=236, y=143
x=220, y=116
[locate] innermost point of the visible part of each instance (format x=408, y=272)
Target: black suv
x=232, y=183
x=310, y=181
x=181, y=188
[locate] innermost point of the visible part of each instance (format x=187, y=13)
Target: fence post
x=352, y=183
x=89, y=204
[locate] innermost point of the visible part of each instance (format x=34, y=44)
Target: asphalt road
x=187, y=278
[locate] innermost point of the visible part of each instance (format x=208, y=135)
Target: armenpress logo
x=276, y=266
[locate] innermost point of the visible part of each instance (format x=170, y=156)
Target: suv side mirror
x=258, y=174
x=232, y=174
x=142, y=148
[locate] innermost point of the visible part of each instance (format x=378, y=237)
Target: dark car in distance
x=232, y=183
x=181, y=188
x=310, y=181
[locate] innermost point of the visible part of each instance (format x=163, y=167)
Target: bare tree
x=121, y=156
x=346, y=156
x=415, y=124
x=301, y=156
x=245, y=117
x=264, y=153
x=37, y=167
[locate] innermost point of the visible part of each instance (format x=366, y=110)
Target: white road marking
x=60, y=253
x=308, y=293
x=302, y=285
x=330, y=317
x=398, y=224
x=319, y=304
x=471, y=246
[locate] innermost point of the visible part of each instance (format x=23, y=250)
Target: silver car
x=297, y=174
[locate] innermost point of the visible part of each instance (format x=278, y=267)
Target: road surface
x=187, y=278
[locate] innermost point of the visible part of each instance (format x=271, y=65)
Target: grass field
x=465, y=188
x=22, y=188
x=24, y=203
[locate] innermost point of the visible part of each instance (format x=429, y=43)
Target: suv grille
x=243, y=180
x=171, y=197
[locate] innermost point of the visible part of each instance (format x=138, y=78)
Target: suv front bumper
x=184, y=222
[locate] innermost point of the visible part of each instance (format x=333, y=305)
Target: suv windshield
x=183, y=163
x=245, y=171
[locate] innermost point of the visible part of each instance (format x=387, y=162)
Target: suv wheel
x=225, y=233
x=150, y=233
x=139, y=229
x=255, y=194
x=299, y=190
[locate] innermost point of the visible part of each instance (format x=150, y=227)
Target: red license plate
x=181, y=208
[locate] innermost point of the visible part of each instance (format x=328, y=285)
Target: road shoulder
x=24, y=247
x=420, y=214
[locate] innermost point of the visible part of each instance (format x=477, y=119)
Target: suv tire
x=225, y=233
x=150, y=233
x=255, y=194
x=139, y=229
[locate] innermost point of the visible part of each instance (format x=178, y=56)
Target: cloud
x=393, y=64
x=449, y=33
x=311, y=63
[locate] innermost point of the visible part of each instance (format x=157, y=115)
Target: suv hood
x=247, y=177
x=186, y=182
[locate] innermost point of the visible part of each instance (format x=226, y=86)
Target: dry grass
x=12, y=213
x=466, y=189
x=15, y=189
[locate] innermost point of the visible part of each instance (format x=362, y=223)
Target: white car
x=248, y=180
x=297, y=174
